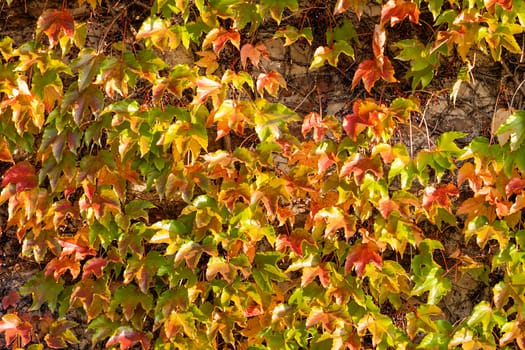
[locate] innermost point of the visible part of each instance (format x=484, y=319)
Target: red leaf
x=365, y=114
x=359, y=165
x=439, y=196
x=319, y=315
x=206, y=88
x=127, y=337
x=515, y=186
x=10, y=299
x=13, y=327
x=397, y=10
x=218, y=37
x=94, y=266
x=253, y=310
x=56, y=23
x=254, y=53
x=77, y=245
x=360, y=255
x=21, y=174
x=295, y=241
x=310, y=273
x=314, y=121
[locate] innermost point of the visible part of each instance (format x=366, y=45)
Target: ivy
x=182, y=205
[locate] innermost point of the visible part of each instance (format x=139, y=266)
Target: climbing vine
x=288, y=231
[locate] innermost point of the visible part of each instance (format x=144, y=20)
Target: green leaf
x=515, y=124
x=291, y=34
x=276, y=7
x=43, y=290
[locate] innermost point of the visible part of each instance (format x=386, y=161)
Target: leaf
x=370, y=71
x=157, y=32
x=270, y=82
x=10, y=299
x=59, y=266
x=232, y=115
x=254, y=53
x=128, y=298
x=126, y=337
x=360, y=255
x=60, y=334
x=515, y=125
x=208, y=60
x=94, y=266
x=5, y=152
x=56, y=24
x=22, y=175
x=277, y=7
x=294, y=241
x=314, y=121
x=291, y=34
x=14, y=328
x=440, y=196
x=343, y=5
x=335, y=219
x=394, y=11
x=331, y=54
x=218, y=37
x=43, y=290
x=359, y=165
x=326, y=318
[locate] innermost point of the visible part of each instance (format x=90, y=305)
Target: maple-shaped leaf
x=82, y=102
x=254, y=53
x=394, y=11
x=218, y=37
x=343, y=5
x=326, y=318
x=358, y=165
x=60, y=335
x=295, y=241
x=94, y=296
x=94, y=266
x=126, y=337
x=370, y=71
x=292, y=34
x=15, y=328
x=43, y=290
x=208, y=60
x=440, y=196
x=311, y=272
x=206, y=87
x=22, y=175
x=11, y=299
x=277, y=7
x=56, y=24
x=331, y=54
x=127, y=298
x=361, y=255
x=335, y=218
x=314, y=121
x=78, y=246
x=157, y=32
x=270, y=82
x=59, y=266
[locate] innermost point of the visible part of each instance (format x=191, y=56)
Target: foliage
x=287, y=240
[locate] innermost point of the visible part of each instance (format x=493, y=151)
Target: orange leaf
x=254, y=53
x=371, y=70
x=439, y=196
x=270, y=82
x=361, y=255
x=206, y=88
x=56, y=23
x=358, y=165
x=397, y=10
x=387, y=206
x=13, y=327
x=218, y=37
x=314, y=121
x=21, y=174
x=59, y=266
x=491, y=4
